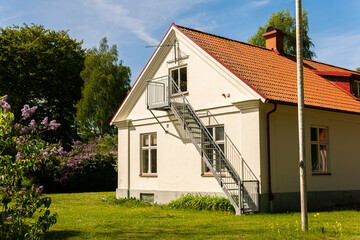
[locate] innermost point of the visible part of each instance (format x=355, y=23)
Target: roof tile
x=275, y=76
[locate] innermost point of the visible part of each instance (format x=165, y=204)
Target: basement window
x=179, y=75
x=319, y=150
x=147, y=197
x=356, y=88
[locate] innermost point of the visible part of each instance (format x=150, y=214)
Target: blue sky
x=134, y=24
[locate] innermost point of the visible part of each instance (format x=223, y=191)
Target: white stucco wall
x=179, y=163
x=344, y=161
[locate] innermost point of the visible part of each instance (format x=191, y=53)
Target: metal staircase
x=226, y=163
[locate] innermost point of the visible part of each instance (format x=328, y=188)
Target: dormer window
x=179, y=75
x=356, y=88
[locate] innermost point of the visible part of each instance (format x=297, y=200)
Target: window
x=148, y=197
x=319, y=150
x=356, y=88
x=218, y=134
x=179, y=75
x=148, y=153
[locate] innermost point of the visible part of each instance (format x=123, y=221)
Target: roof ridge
x=312, y=60
x=226, y=38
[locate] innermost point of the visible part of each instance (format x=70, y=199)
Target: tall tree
x=106, y=83
x=283, y=20
x=42, y=67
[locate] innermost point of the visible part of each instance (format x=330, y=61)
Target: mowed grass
x=91, y=216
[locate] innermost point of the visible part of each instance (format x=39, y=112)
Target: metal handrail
x=243, y=165
x=204, y=129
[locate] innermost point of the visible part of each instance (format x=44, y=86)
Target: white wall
x=344, y=142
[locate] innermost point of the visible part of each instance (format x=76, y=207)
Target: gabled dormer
x=346, y=81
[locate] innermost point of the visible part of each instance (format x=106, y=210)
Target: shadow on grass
x=61, y=234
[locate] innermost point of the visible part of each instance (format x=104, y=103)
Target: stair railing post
x=240, y=197
x=169, y=90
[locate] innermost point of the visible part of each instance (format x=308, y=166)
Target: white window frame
x=322, y=155
x=178, y=83
x=148, y=149
x=219, y=142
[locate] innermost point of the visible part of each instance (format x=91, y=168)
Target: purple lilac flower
x=40, y=189
x=18, y=156
x=9, y=219
x=61, y=151
x=25, y=129
x=54, y=125
x=45, y=154
x=45, y=122
x=20, y=140
x=27, y=111
x=53, y=151
x=46, y=224
x=5, y=105
x=17, y=126
x=33, y=124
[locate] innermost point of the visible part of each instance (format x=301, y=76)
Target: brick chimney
x=274, y=38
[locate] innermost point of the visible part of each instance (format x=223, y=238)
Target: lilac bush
x=87, y=167
x=24, y=210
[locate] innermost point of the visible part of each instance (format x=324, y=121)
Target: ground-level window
x=319, y=149
x=179, y=75
x=148, y=197
x=356, y=88
x=217, y=132
x=148, y=153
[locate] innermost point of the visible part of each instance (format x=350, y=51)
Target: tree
x=42, y=67
x=358, y=69
x=287, y=23
x=106, y=83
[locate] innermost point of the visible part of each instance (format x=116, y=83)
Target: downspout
x=128, y=182
x=271, y=195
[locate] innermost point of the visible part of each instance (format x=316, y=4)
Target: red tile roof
x=273, y=75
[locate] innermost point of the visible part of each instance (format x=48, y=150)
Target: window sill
x=148, y=175
x=179, y=94
x=321, y=173
x=211, y=175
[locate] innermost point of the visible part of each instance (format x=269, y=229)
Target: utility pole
x=300, y=86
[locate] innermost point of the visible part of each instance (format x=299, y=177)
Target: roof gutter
x=271, y=195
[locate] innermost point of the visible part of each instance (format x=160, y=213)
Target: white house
x=213, y=115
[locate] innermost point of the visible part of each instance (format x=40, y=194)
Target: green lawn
x=90, y=216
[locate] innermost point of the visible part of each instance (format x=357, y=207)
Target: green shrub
x=87, y=167
x=24, y=210
x=199, y=202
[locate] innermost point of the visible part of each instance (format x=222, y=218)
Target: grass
x=96, y=216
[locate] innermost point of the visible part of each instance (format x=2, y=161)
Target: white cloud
x=341, y=50
x=140, y=17
x=256, y=4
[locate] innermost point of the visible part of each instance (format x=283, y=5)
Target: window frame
x=178, y=81
x=355, y=88
x=204, y=167
x=149, y=148
x=318, y=143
